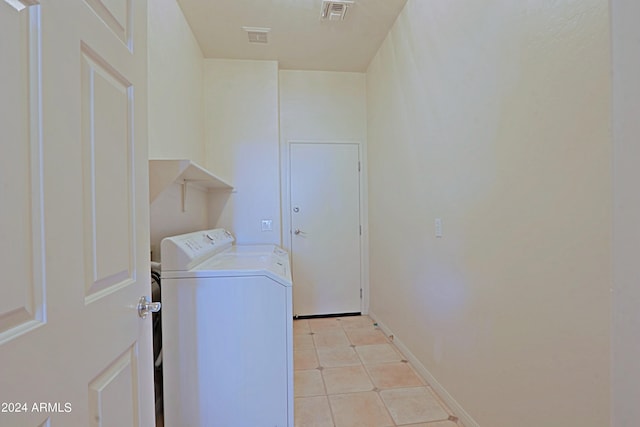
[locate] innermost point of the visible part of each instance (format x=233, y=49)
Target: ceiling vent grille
x=257, y=35
x=334, y=10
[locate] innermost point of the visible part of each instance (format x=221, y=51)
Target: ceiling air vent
x=334, y=10
x=257, y=35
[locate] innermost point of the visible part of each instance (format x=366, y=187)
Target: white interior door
x=325, y=226
x=74, y=214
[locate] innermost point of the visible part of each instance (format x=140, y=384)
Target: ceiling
x=298, y=39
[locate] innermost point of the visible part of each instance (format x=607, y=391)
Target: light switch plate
x=267, y=225
x=438, y=224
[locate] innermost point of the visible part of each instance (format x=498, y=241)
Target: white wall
x=329, y=107
x=176, y=125
x=494, y=116
x=322, y=106
x=626, y=295
x=241, y=144
x=168, y=219
x=176, y=116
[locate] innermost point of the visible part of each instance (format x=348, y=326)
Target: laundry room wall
x=494, y=116
x=323, y=106
x=626, y=292
x=168, y=219
x=176, y=114
x=242, y=145
x=176, y=117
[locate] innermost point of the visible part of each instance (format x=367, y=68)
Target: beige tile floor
x=348, y=374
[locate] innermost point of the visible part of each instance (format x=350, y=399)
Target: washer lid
x=183, y=252
x=255, y=260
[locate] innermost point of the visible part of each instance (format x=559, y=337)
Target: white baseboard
x=459, y=412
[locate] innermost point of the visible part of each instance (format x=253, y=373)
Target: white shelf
x=163, y=173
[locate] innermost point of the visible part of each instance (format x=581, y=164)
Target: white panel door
x=74, y=244
x=325, y=227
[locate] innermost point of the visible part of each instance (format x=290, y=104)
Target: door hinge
x=358, y=166
x=361, y=230
x=360, y=293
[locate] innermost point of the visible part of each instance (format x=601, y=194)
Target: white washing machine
x=227, y=332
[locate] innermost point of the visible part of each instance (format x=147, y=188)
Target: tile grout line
x=366, y=371
x=324, y=384
x=425, y=384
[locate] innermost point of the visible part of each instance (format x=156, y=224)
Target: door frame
x=285, y=206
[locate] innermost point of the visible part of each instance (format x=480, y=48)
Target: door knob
x=145, y=307
x=298, y=231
